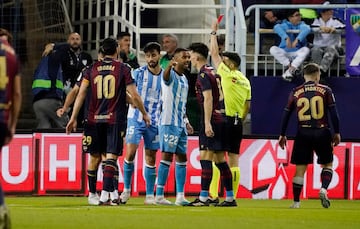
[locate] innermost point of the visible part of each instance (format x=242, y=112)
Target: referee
x=237, y=97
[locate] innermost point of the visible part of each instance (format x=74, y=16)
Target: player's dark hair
x=200, y=48
x=101, y=50
x=109, y=46
x=152, y=46
x=122, y=34
x=234, y=57
x=311, y=68
x=178, y=50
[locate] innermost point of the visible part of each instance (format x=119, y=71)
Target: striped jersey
x=148, y=86
x=9, y=68
x=107, y=81
x=174, y=94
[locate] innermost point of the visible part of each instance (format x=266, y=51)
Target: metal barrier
x=96, y=16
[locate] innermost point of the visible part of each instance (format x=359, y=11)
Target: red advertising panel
x=60, y=163
x=53, y=163
x=17, y=165
x=354, y=171
x=262, y=168
x=193, y=172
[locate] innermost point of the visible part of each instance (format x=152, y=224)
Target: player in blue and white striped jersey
x=174, y=126
x=148, y=84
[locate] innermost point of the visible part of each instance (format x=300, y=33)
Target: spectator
x=48, y=92
x=268, y=19
x=292, y=50
x=169, y=45
x=124, y=41
x=327, y=40
x=106, y=117
x=73, y=60
x=71, y=96
x=10, y=104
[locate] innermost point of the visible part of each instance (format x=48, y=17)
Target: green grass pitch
x=73, y=212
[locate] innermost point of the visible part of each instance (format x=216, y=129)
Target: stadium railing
x=129, y=17
x=266, y=62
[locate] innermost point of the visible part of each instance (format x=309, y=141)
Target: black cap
x=152, y=46
x=233, y=56
x=109, y=46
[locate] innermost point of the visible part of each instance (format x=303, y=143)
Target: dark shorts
x=235, y=134
x=103, y=138
x=310, y=140
x=216, y=143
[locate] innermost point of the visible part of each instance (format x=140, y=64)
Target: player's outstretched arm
x=214, y=47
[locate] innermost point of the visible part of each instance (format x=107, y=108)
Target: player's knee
x=130, y=156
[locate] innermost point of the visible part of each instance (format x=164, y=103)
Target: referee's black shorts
x=235, y=134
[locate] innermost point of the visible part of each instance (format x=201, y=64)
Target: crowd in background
x=318, y=37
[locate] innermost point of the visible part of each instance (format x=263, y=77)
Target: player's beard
x=153, y=64
x=187, y=66
x=75, y=48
